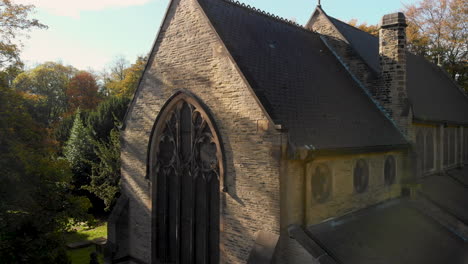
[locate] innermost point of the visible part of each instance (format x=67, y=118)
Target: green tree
x=105, y=168
x=48, y=82
x=35, y=198
x=78, y=150
x=102, y=120
x=105, y=177
x=14, y=21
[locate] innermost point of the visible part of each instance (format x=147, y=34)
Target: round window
x=389, y=170
x=361, y=176
x=321, y=183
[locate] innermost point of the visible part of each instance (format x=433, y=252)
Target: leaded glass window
x=390, y=170
x=186, y=169
x=361, y=176
x=321, y=183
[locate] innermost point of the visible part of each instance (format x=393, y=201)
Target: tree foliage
x=105, y=178
x=35, y=199
x=48, y=82
x=103, y=119
x=371, y=29
x=82, y=92
x=105, y=169
x=122, y=82
x=14, y=20
x=438, y=30
x=78, y=150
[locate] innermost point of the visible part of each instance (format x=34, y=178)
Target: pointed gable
x=299, y=81
x=433, y=95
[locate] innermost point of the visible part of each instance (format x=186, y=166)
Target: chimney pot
x=395, y=19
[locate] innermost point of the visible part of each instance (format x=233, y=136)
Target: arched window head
x=321, y=183
x=183, y=134
x=361, y=176
x=389, y=170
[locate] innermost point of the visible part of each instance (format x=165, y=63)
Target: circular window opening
x=390, y=170
x=361, y=176
x=321, y=183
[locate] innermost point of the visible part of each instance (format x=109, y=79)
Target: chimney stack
x=392, y=50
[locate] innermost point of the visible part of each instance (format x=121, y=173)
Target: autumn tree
x=48, y=83
x=82, y=92
x=371, y=29
x=14, y=22
x=438, y=30
x=124, y=83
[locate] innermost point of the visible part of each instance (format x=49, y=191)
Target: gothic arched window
x=389, y=170
x=361, y=176
x=186, y=167
x=321, y=183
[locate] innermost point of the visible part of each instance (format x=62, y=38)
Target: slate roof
x=433, y=95
x=299, y=81
x=393, y=232
x=366, y=45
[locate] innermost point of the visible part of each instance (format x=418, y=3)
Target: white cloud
x=72, y=8
x=47, y=46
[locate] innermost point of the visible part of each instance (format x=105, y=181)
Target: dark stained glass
x=390, y=170
x=186, y=169
x=321, y=183
x=361, y=176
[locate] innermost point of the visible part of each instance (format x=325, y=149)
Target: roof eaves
x=437, y=122
x=308, y=152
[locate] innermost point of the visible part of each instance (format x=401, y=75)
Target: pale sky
x=89, y=34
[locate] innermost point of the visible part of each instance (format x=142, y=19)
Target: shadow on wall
x=245, y=157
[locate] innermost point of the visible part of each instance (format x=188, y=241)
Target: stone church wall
x=300, y=207
x=344, y=198
x=448, y=148
x=188, y=56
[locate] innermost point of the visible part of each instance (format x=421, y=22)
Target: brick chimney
x=392, y=50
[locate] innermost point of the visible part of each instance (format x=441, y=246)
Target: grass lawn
x=81, y=256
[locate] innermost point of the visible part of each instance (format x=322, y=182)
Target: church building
x=252, y=139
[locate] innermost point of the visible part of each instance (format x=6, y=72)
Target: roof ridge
x=265, y=13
